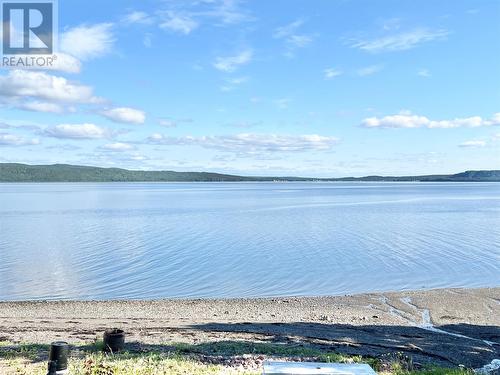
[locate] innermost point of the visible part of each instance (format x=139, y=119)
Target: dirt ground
x=443, y=327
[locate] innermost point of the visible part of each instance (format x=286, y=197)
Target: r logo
x=28, y=28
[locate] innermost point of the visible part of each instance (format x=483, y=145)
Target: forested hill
x=478, y=176
x=75, y=173
x=13, y=172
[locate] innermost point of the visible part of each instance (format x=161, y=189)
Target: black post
x=52, y=368
x=114, y=340
x=59, y=351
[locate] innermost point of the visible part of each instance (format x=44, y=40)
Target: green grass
x=227, y=357
x=235, y=348
x=250, y=347
x=125, y=364
x=27, y=351
x=434, y=371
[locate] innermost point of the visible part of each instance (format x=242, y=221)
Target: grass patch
x=289, y=351
x=432, y=371
x=32, y=352
x=224, y=357
x=231, y=348
x=127, y=364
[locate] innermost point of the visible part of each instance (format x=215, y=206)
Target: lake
x=159, y=240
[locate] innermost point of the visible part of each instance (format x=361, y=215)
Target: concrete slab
x=316, y=368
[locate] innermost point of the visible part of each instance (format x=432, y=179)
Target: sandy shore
x=446, y=326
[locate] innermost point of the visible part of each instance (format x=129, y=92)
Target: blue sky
x=310, y=88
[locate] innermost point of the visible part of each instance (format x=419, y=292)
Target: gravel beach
x=445, y=326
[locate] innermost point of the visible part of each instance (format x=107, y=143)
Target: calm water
x=138, y=240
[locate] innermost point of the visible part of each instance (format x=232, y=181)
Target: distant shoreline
x=15, y=172
x=241, y=182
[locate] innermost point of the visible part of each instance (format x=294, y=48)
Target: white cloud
x=226, y=11
x=400, y=41
x=15, y=140
x=396, y=121
x=496, y=119
x=81, y=43
x=293, y=37
x=231, y=83
x=287, y=30
x=42, y=92
x=300, y=41
x=77, y=131
x=86, y=42
x=138, y=157
x=248, y=143
x=332, y=73
x=186, y=16
x=369, y=70
x=125, y=115
x=156, y=138
x=19, y=84
x=66, y=63
x=472, y=144
x=37, y=106
x=231, y=63
x=408, y=120
x=178, y=22
x=238, y=80
x=167, y=123
x=118, y=146
x=290, y=33
x=424, y=73
x=282, y=103
x=138, y=17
